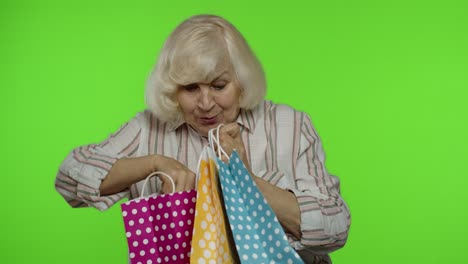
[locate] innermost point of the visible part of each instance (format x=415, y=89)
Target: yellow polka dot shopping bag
x=159, y=227
x=258, y=235
x=211, y=237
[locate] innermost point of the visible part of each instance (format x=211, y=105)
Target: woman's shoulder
x=147, y=116
x=146, y=120
x=269, y=108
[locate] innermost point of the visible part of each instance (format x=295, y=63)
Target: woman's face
x=206, y=105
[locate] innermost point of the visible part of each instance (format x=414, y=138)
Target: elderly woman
x=207, y=75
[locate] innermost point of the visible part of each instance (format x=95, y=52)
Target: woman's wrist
x=155, y=162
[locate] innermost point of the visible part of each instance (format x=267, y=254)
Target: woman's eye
x=219, y=86
x=190, y=87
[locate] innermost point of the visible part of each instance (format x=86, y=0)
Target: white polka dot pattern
x=257, y=233
x=159, y=228
x=209, y=242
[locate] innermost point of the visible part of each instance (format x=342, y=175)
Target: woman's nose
x=205, y=101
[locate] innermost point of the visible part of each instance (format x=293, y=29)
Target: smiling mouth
x=209, y=120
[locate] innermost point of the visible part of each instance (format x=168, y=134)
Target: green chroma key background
x=385, y=83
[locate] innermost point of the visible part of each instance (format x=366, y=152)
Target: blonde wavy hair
x=191, y=54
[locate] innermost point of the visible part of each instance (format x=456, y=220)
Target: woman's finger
x=190, y=183
x=166, y=187
x=231, y=129
x=227, y=144
x=232, y=141
x=179, y=173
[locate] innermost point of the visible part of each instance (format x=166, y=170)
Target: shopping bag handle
x=212, y=140
x=154, y=174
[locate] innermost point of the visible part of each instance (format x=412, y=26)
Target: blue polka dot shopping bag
x=159, y=227
x=258, y=235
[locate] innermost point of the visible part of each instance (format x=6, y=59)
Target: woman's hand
x=283, y=202
x=230, y=139
x=184, y=178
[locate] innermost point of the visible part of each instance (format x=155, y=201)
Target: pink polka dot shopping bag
x=159, y=227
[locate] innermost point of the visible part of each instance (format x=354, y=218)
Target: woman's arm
x=283, y=202
x=128, y=171
x=100, y=175
x=325, y=217
x=81, y=173
x=310, y=207
x=125, y=172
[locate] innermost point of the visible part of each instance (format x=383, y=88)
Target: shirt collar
x=175, y=125
x=247, y=120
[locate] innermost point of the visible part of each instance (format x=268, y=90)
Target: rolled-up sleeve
x=81, y=173
x=325, y=217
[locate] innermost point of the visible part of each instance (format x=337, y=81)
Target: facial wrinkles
x=207, y=97
x=216, y=97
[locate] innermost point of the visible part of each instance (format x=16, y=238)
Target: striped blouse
x=282, y=147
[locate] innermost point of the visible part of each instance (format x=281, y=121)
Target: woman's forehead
x=200, y=69
x=209, y=78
